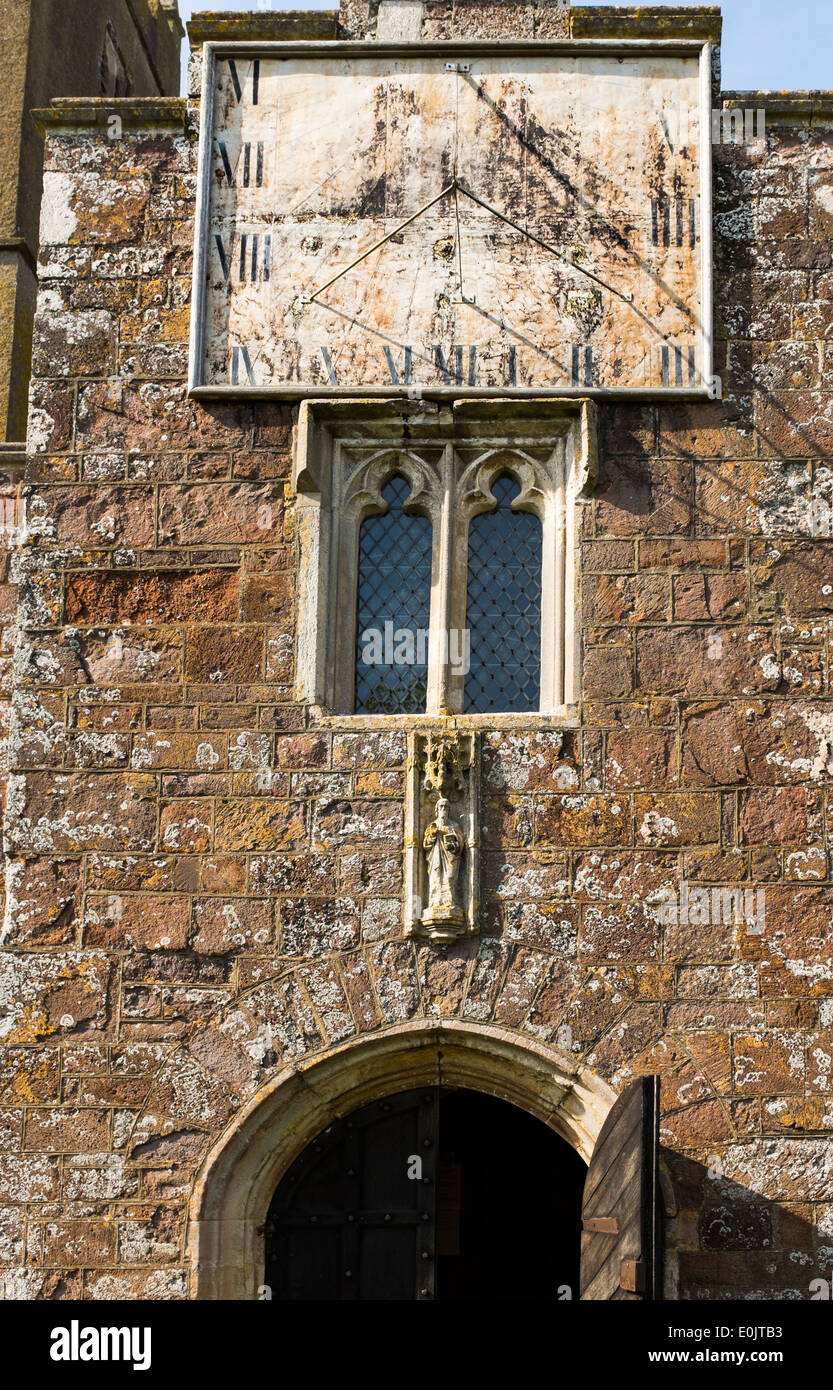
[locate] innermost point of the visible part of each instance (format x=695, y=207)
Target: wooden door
x=621, y=1215
x=354, y=1218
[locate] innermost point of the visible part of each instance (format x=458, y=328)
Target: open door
x=621, y=1241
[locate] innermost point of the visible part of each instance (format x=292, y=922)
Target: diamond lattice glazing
x=393, y=601
x=503, y=610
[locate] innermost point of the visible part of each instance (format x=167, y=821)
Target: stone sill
x=13, y=451
x=12, y=461
x=261, y=26
x=566, y=718
x=96, y=111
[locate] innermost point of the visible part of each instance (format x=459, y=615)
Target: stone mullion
x=555, y=620
x=442, y=692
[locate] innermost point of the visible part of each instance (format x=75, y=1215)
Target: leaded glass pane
x=393, y=608
x=503, y=609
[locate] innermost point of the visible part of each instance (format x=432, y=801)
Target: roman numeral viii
x=251, y=257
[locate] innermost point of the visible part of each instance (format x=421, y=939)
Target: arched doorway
x=232, y=1194
x=433, y=1193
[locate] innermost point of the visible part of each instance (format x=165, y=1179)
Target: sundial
x=431, y=218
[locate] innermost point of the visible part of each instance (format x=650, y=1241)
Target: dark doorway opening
x=520, y=1188
x=429, y=1194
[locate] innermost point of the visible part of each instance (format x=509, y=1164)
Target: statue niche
x=442, y=852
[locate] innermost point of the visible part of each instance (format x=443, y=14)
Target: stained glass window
x=503, y=609
x=394, y=592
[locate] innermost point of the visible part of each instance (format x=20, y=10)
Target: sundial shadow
x=614, y=235
x=520, y=337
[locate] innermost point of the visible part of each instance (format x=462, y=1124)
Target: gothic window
x=394, y=588
x=112, y=73
x=503, y=610
x=437, y=562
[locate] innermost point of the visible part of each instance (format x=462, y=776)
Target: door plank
x=622, y=1186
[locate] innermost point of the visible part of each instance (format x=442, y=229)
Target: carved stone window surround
x=345, y=453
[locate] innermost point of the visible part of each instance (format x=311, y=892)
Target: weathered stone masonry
x=181, y=929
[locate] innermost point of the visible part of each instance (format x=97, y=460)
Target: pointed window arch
x=438, y=557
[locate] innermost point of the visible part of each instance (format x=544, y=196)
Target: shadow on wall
x=722, y=1237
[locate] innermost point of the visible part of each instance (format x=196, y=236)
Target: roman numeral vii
x=252, y=164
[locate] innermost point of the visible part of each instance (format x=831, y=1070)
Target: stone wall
x=182, y=929
x=55, y=48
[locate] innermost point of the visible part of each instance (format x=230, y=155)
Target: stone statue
x=443, y=843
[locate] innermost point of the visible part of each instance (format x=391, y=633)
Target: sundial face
x=432, y=219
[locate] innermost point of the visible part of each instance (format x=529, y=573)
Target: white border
x=196, y=350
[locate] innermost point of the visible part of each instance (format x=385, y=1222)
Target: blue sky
x=766, y=43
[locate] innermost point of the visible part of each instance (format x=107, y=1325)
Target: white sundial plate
x=555, y=202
